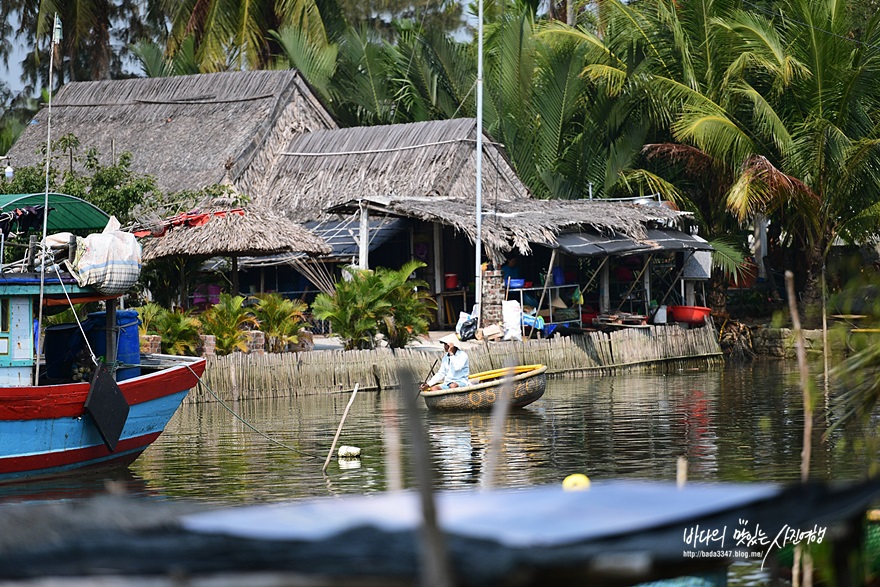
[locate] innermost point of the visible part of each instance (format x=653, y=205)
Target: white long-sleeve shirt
x=453, y=369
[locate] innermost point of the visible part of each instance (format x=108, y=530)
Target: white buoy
x=349, y=452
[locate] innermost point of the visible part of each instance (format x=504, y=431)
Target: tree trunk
x=717, y=293
x=811, y=297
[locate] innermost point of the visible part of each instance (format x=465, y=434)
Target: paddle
x=431, y=372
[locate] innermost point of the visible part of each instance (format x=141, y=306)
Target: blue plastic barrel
x=128, y=347
x=61, y=344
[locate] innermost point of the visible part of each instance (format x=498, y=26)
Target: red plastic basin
x=689, y=314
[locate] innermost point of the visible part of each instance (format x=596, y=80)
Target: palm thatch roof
x=188, y=131
x=435, y=159
x=256, y=232
x=517, y=224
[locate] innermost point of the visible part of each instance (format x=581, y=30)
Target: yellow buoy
x=576, y=482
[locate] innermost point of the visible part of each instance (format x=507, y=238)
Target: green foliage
x=180, y=332
x=412, y=305
x=68, y=316
x=149, y=315
x=228, y=321
x=28, y=180
x=355, y=308
x=155, y=63
x=113, y=188
x=370, y=302
x=281, y=320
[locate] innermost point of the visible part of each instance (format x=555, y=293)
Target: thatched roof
x=188, y=131
x=434, y=159
x=256, y=232
x=519, y=223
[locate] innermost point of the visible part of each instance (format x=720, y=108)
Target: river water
x=732, y=424
x=738, y=424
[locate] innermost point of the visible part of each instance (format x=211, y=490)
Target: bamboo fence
x=252, y=376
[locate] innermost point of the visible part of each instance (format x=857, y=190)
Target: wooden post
x=32, y=251
x=604, y=289
x=234, y=275
x=364, y=237
x=112, y=336
x=71, y=249
x=339, y=429
x=438, y=269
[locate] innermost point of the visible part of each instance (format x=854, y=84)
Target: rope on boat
x=248, y=424
x=48, y=254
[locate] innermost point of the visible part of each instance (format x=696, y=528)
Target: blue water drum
x=62, y=343
x=128, y=348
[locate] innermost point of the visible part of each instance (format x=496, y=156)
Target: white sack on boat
x=109, y=261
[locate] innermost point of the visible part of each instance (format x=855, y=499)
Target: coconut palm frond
x=728, y=256
x=761, y=187
x=860, y=376
x=694, y=161
x=316, y=62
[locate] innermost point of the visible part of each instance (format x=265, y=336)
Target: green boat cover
x=70, y=213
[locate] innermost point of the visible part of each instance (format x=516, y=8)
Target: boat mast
x=478, y=241
x=56, y=40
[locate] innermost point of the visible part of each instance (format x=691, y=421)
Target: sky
x=11, y=74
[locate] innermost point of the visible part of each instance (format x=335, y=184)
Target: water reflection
x=738, y=424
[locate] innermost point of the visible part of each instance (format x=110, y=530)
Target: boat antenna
x=56, y=40
x=478, y=240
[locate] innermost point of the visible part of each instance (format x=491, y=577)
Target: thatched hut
x=424, y=176
x=233, y=234
x=187, y=131
x=434, y=160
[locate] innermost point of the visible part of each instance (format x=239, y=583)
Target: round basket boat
x=529, y=382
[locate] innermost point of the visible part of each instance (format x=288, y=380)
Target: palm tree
x=91, y=29
x=236, y=35
x=179, y=331
x=825, y=145
x=281, y=320
x=228, y=322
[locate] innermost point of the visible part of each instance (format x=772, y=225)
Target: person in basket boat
x=454, y=369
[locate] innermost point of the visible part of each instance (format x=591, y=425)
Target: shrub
x=281, y=319
x=179, y=331
x=228, y=321
x=369, y=302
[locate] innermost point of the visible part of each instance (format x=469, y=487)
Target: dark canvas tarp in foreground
x=615, y=533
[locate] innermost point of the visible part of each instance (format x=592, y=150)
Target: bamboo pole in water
x=339, y=430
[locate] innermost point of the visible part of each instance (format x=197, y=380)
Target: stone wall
x=208, y=348
x=151, y=343
x=256, y=341
x=780, y=343
x=493, y=295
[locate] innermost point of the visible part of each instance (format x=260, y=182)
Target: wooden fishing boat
x=529, y=382
x=54, y=416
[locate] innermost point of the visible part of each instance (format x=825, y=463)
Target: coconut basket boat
x=529, y=382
